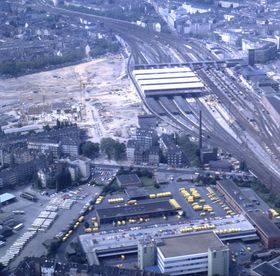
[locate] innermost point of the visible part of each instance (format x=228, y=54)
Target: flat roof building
x=6, y=198
x=266, y=229
x=168, y=76
x=136, y=193
x=169, y=81
x=128, y=180
x=193, y=254
x=152, y=209
x=161, y=70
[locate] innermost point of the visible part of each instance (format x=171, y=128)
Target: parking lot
x=215, y=202
x=103, y=175
x=190, y=213
x=68, y=206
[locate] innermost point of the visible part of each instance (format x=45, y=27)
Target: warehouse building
x=168, y=81
x=266, y=229
x=268, y=232
x=128, y=180
x=152, y=209
x=234, y=196
x=136, y=193
x=196, y=253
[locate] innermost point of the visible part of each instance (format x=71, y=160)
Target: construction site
x=95, y=94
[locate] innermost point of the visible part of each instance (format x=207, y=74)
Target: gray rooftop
x=235, y=192
x=135, y=210
x=189, y=244
x=265, y=224
x=128, y=179
x=261, y=221
x=134, y=192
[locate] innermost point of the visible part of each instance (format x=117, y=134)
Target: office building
x=195, y=253
x=268, y=232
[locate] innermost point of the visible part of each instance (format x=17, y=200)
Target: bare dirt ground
x=111, y=103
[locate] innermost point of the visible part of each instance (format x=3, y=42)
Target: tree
x=112, y=148
x=107, y=146
x=52, y=246
x=189, y=148
x=120, y=150
x=89, y=149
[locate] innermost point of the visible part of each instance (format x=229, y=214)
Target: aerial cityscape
x=139, y=137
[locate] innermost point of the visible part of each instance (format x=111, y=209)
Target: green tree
x=107, y=146
x=52, y=246
x=189, y=148
x=112, y=148
x=119, y=151
x=89, y=149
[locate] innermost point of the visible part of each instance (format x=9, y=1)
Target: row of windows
x=195, y=269
x=186, y=265
x=186, y=259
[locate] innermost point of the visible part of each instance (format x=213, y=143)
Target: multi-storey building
x=195, y=253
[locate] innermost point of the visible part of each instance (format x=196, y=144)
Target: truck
x=81, y=218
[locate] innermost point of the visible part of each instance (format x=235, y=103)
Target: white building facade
x=181, y=265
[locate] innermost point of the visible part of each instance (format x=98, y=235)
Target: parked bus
x=29, y=196
x=18, y=227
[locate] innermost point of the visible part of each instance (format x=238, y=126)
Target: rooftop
x=134, y=192
x=186, y=85
x=168, y=76
x=265, y=224
x=161, y=70
x=5, y=197
x=267, y=269
x=134, y=210
x=168, y=80
x=194, y=244
x=235, y=192
x=128, y=179
x=260, y=220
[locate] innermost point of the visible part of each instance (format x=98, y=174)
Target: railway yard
x=191, y=90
